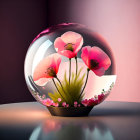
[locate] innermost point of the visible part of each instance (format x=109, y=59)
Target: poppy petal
x=78, y=44
x=99, y=55
x=99, y=72
x=85, y=55
x=59, y=44
x=67, y=53
x=52, y=60
x=70, y=37
x=42, y=81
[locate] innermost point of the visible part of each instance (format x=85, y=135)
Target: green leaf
x=71, y=91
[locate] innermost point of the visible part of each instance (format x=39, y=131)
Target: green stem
x=69, y=69
x=57, y=88
x=60, y=85
x=76, y=65
x=85, y=83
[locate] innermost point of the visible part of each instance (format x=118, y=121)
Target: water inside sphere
x=69, y=65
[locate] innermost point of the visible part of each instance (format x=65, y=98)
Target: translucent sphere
x=69, y=65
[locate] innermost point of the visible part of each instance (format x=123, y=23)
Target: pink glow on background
x=118, y=21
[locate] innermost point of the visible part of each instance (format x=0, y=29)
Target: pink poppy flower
x=47, y=69
x=96, y=59
x=69, y=44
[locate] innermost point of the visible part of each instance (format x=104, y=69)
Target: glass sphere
x=69, y=65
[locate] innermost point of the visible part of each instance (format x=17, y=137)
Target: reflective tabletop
x=107, y=121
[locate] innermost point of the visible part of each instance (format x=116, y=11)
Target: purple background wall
x=20, y=22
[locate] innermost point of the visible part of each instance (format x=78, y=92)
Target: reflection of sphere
x=42, y=48
x=54, y=129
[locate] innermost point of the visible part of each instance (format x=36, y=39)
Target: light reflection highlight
x=22, y=115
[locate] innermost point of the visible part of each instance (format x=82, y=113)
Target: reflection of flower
x=96, y=60
x=72, y=129
x=51, y=125
x=69, y=44
x=46, y=69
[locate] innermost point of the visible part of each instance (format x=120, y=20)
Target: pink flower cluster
x=64, y=104
x=94, y=101
x=86, y=102
x=76, y=104
x=49, y=102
